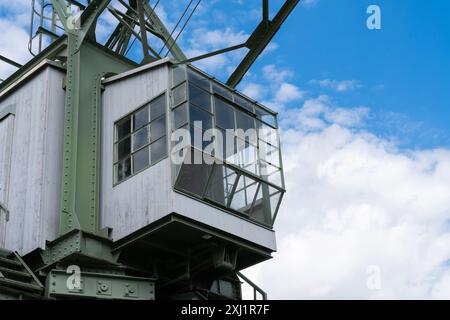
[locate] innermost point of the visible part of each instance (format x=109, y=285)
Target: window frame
x=130, y=115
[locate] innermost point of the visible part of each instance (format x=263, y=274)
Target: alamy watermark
x=374, y=19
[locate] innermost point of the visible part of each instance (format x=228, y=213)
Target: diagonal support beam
x=116, y=14
x=260, y=38
x=144, y=39
x=157, y=24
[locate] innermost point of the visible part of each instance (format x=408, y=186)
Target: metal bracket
x=77, y=242
x=100, y=286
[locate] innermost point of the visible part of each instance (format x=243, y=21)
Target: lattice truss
x=137, y=25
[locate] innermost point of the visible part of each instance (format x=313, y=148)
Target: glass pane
x=229, y=152
x=265, y=116
x=247, y=155
x=123, y=169
x=140, y=138
x=193, y=177
x=197, y=114
x=224, y=92
x=217, y=186
x=179, y=75
x=261, y=211
x=250, y=189
x=141, y=160
x=244, y=121
x=124, y=148
x=158, y=107
x=274, y=200
x=269, y=153
x=238, y=203
x=197, y=140
x=158, y=150
x=123, y=128
x=224, y=114
x=243, y=103
x=199, y=97
x=140, y=118
x=267, y=133
x=179, y=94
x=199, y=80
x=271, y=173
x=180, y=116
x=157, y=129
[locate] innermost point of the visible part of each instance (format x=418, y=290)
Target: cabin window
x=140, y=139
x=246, y=175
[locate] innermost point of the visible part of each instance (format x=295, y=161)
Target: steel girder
x=261, y=37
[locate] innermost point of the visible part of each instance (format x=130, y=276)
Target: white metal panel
x=6, y=135
x=222, y=220
x=36, y=161
x=143, y=198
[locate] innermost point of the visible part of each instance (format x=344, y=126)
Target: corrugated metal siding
x=143, y=198
x=36, y=161
x=6, y=135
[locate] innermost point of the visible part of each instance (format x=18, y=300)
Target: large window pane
x=271, y=173
x=193, y=177
x=157, y=129
x=221, y=184
x=141, y=118
x=158, y=107
x=243, y=103
x=124, y=148
x=180, y=116
x=222, y=91
x=197, y=114
x=244, y=121
x=229, y=153
x=179, y=75
x=158, y=150
x=141, y=159
x=123, y=169
x=123, y=128
x=199, y=80
x=265, y=116
x=247, y=156
x=140, y=138
x=200, y=97
x=224, y=114
x=267, y=133
x=179, y=94
x=269, y=153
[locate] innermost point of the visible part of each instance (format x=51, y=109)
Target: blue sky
x=403, y=69
x=365, y=137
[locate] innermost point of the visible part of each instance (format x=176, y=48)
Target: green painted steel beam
x=77, y=243
x=10, y=62
x=260, y=38
x=157, y=24
x=86, y=65
x=100, y=286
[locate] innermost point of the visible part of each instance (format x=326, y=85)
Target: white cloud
x=253, y=90
x=288, y=92
x=13, y=45
x=355, y=201
x=273, y=74
x=309, y=3
x=339, y=86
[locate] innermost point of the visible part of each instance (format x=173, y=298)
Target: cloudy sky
x=366, y=143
